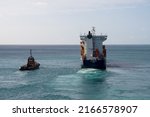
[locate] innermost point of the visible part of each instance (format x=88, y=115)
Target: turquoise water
x=60, y=75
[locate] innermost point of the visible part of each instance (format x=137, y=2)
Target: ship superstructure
x=93, y=52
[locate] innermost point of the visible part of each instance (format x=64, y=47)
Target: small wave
x=87, y=70
x=20, y=73
x=127, y=65
x=93, y=74
x=68, y=76
x=120, y=65
x=113, y=65
x=11, y=84
x=55, y=97
x=141, y=67
x=116, y=71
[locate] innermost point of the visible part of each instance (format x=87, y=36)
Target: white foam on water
x=87, y=70
x=11, y=84
x=20, y=73
x=14, y=79
x=68, y=76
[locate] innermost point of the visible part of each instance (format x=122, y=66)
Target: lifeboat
x=31, y=64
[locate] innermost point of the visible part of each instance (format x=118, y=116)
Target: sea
x=61, y=77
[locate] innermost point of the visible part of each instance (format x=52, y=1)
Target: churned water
x=60, y=75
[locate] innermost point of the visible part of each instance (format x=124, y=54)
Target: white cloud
x=69, y=6
x=24, y=7
x=43, y=3
x=95, y=4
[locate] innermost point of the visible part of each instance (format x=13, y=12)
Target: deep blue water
x=60, y=75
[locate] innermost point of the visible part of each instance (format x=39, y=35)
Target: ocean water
x=60, y=75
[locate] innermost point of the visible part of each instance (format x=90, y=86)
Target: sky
x=63, y=21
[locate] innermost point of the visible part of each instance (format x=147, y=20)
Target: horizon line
x=58, y=44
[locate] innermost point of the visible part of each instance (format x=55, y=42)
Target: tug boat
x=93, y=52
x=31, y=63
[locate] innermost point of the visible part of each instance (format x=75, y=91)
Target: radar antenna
x=93, y=30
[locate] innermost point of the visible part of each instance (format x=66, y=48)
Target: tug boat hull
x=25, y=67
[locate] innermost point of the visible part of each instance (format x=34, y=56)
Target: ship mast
x=30, y=52
x=93, y=30
x=93, y=41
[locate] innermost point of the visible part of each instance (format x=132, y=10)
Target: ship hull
x=97, y=64
x=25, y=67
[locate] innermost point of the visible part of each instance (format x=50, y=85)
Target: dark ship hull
x=25, y=67
x=97, y=64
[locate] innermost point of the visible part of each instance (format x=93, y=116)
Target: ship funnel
x=89, y=35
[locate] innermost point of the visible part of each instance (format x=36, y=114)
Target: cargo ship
x=93, y=52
